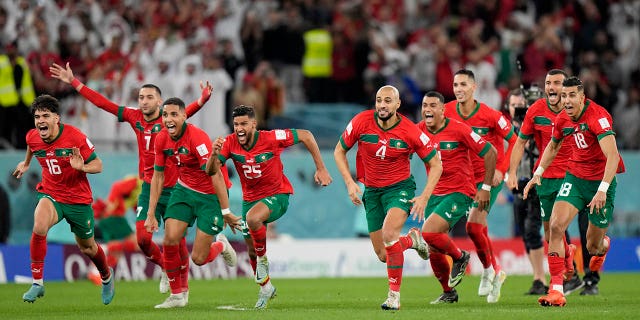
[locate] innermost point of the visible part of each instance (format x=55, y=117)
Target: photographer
x=527, y=215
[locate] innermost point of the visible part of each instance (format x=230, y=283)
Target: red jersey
x=189, y=153
x=456, y=141
x=260, y=167
x=145, y=131
x=383, y=157
x=59, y=180
x=587, y=160
x=490, y=125
x=125, y=194
x=538, y=123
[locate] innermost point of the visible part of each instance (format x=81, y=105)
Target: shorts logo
x=448, y=215
x=603, y=221
x=403, y=200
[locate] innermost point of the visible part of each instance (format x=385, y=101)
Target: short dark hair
x=243, y=110
x=435, y=94
x=152, y=86
x=45, y=102
x=573, y=82
x=554, y=72
x=466, y=72
x=515, y=92
x=174, y=101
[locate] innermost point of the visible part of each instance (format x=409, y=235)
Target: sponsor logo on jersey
x=604, y=123
x=424, y=139
x=502, y=122
x=281, y=135
x=202, y=149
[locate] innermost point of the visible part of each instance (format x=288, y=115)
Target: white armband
x=604, y=186
x=226, y=211
x=538, y=171
x=485, y=187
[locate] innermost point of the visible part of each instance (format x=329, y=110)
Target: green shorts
x=114, y=228
x=495, y=191
x=378, y=201
x=579, y=192
x=277, y=204
x=547, y=193
x=78, y=216
x=143, y=203
x=450, y=207
x=190, y=206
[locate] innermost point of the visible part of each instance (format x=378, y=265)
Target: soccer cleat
x=537, y=287
x=458, y=269
x=392, y=302
x=185, y=296
x=573, y=284
x=597, y=261
x=264, y=297
x=418, y=243
x=553, y=298
x=486, y=282
x=496, y=285
x=164, y=283
x=108, y=289
x=262, y=270
x=568, y=262
x=447, y=297
x=228, y=253
x=590, y=290
x=173, y=301
x=36, y=291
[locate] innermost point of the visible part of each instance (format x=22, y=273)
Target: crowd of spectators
x=271, y=53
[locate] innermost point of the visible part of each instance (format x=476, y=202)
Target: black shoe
x=572, y=285
x=590, y=290
x=458, y=269
x=538, y=288
x=447, y=297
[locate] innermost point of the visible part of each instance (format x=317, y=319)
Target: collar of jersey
x=184, y=129
x=375, y=119
x=58, y=136
x=256, y=134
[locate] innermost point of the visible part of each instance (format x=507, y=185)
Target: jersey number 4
x=382, y=152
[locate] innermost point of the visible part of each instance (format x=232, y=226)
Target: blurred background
x=309, y=64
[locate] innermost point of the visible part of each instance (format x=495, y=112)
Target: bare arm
x=77, y=162
x=610, y=150
x=23, y=166
x=420, y=202
x=340, y=155
x=66, y=75
x=213, y=163
x=322, y=176
x=157, y=181
x=483, y=196
x=516, y=157
x=550, y=152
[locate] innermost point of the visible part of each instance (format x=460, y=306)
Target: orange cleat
x=568, y=262
x=597, y=261
x=553, y=298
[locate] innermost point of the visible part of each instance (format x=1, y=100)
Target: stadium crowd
x=270, y=53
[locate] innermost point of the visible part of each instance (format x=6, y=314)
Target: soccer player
x=146, y=122
x=386, y=140
x=197, y=198
x=538, y=124
x=453, y=195
x=66, y=156
x=265, y=188
x=493, y=127
x=589, y=181
x=112, y=223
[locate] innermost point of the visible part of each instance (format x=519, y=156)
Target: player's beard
x=391, y=114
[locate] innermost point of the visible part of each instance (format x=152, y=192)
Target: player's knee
x=382, y=256
x=198, y=259
x=89, y=251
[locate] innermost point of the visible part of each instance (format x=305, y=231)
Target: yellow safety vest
x=316, y=62
x=9, y=96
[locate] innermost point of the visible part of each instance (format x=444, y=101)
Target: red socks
x=556, y=269
x=184, y=265
x=441, y=269
x=443, y=243
x=148, y=247
x=259, y=240
x=172, y=267
x=494, y=262
x=395, y=260
x=100, y=260
x=214, y=251
x=476, y=233
x=405, y=242
x=38, y=252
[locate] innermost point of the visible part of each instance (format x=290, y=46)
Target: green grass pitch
x=336, y=298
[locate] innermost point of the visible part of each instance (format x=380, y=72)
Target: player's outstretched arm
x=322, y=176
x=516, y=157
x=23, y=166
x=66, y=75
x=157, y=181
x=195, y=106
x=340, y=155
x=610, y=151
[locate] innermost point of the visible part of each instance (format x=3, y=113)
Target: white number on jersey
x=251, y=171
x=382, y=152
x=580, y=142
x=565, y=189
x=53, y=166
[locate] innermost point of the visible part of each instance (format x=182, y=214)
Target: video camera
x=530, y=96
